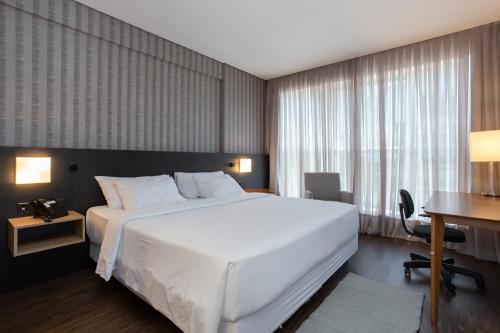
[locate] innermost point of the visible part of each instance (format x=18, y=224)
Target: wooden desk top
x=465, y=205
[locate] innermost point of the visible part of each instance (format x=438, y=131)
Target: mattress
x=96, y=220
x=225, y=259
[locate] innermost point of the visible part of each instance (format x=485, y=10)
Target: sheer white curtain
x=413, y=119
x=315, y=128
x=397, y=119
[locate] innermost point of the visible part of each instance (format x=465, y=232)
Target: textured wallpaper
x=73, y=77
x=243, y=112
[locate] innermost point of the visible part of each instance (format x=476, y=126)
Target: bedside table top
x=260, y=190
x=30, y=221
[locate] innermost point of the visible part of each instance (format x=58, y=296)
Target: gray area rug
x=359, y=304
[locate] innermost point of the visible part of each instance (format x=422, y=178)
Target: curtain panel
x=307, y=108
x=395, y=119
x=485, y=115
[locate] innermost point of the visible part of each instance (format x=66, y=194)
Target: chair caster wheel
x=451, y=288
x=449, y=261
x=480, y=283
x=407, y=272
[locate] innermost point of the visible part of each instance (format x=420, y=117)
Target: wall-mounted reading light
x=245, y=165
x=32, y=170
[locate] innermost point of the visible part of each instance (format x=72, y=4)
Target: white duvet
x=201, y=261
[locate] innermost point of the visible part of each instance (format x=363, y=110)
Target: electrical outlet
x=22, y=207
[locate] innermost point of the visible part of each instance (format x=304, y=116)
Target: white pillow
x=140, y=193
x=217, y=185
x=109, y=190
x=187, y=185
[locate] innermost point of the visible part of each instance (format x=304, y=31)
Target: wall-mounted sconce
x=32, y=170
x=245, y=165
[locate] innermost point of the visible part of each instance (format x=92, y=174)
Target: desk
x=455, y=208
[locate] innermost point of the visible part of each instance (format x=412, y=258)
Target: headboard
x=81, y=191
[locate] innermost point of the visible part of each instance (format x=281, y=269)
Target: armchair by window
x=325, y=186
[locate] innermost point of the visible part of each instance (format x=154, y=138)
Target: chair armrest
x=308, y=195
x=347, y=197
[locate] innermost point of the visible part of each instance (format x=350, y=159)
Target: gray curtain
x=485, y=115
x=395, y=119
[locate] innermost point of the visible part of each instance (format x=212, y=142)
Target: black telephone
x=47, y=209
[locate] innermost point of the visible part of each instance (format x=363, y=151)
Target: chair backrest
x=323, y=185
x=406, y=208
x=407, y=203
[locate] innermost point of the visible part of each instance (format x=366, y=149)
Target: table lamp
x=485, y=147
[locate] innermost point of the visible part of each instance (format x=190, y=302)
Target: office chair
x=406, y=209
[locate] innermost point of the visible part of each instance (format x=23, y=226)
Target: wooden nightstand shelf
x=72, y=232
x=259, y=190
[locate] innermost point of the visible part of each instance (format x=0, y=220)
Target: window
x=396, y=121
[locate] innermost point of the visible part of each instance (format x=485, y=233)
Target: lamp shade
x=485, y=146
x=245, y=165
x=32, y=170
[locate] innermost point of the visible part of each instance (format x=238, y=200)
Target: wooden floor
x=82, y=302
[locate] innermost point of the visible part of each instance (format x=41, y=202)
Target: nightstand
x=260, y=190
x=70, y=230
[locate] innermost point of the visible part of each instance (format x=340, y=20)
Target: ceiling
x=272, y=38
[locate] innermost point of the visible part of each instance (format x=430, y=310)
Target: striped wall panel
x=87, y=20
x=73, y=77
x=243, y=112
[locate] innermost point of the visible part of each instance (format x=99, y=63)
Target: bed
x=242, y=263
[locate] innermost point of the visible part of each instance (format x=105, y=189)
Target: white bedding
x=96, y=220
x=221, y=258
x=97, y=217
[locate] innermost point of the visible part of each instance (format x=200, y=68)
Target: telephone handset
x=47, y=209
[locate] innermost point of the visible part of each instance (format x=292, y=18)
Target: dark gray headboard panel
x=81, y=192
